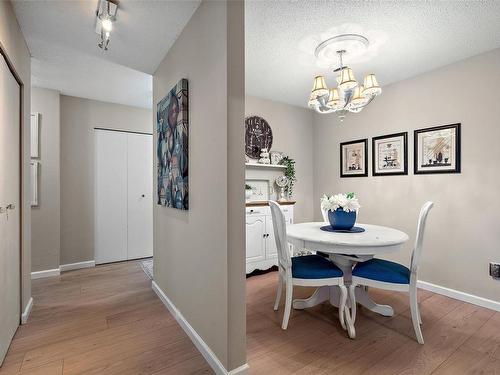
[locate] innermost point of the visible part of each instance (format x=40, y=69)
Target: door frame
x=17, y=77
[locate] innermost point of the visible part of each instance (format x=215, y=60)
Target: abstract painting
x=354, y=159
x=390, y=154
x=172, y=147
x=437, y=149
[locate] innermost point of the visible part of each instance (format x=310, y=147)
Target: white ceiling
x=412, y=37
x=65, y=56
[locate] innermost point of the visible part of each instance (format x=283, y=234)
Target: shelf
x=264, y=166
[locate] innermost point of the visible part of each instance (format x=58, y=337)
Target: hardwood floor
x=460, y=338
x=104, y=320
x=107, y=320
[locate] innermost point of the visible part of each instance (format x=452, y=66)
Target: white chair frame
x=285, y=271
x=410, y=288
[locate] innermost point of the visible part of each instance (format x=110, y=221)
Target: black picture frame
x=404, y=135
x=365, y=161
x=436, y=163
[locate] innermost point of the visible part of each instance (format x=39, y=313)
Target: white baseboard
x=201, y=345
x=461, y=296
x=62, y=268
x=77, y=266
x=27, y=311
x=45, y=273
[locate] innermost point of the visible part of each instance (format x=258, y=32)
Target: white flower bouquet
x=347, y=202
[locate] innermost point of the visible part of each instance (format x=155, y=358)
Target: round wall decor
x=258, y=135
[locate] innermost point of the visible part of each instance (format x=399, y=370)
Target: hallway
x=103, y=320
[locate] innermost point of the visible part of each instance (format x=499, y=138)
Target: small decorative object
x=34, y=182
x=35, y=121
x=258, y=135
x=276, y=157
x=437, y=150
x=390, y=154
x=282, y=182
x=341, y=209
x=264, y=157
x=248, y=192
x=261, y=189
x=172, y=148
x=354, y=159
x=289, y=173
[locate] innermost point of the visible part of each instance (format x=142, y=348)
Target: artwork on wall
x=437, y=149
x=172, y=147
x=258, y=135
x=34, y=134
x=354, y=159
x=34, y=182
x=390, y=154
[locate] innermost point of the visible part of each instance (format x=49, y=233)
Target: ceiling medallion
x=349, y=95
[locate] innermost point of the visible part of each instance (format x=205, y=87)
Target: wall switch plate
x=495, y=270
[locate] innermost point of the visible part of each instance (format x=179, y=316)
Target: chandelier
x=105, y=16
x=349, y=95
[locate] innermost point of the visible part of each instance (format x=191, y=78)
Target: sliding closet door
x=110, y=196
x=140, y=196
x=10, y=205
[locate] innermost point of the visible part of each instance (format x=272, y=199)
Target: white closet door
x=140, y=196
x=111, y=196
x=10, y=293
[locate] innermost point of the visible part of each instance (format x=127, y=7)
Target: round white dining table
x=345, y=250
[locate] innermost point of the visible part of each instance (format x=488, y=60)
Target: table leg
x=364, y=299
x=320, y=295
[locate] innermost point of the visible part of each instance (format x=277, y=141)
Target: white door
x=10, y=226
x=255, y=248
x=140, y=195
x=271, y=249
x=110, y=196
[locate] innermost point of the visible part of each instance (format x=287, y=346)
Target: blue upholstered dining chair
x=308, y=270
x=388, y=275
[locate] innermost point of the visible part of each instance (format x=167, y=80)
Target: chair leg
x=342, y=305
x=288, y=303
x=419, y=316
x=352, y=296
x=278, y=292
x=415, y=314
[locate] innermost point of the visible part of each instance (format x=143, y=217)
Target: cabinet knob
x=251, y=210
x=143, y=195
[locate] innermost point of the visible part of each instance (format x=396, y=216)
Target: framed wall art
x=437, y=149
x=390, y=154
x=354, y=158
x=172, y=147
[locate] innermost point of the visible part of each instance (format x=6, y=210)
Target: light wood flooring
x=108, y=321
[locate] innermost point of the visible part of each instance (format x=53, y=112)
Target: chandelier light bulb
x=371, y=85
x=347, y=80
x=107, y=25
x=319, y=87
x=358, y=98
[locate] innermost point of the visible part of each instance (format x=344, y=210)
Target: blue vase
x=341, y=220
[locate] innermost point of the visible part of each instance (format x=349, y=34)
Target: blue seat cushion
x=382, y=270
x=314, y=267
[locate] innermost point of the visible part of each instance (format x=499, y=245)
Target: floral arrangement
x=347, y=202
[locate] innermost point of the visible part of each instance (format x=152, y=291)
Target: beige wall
x=199, y=254
x=462, y=233
x=78, y=119
x=45, y=218
x=14, y=44
x=292, y=134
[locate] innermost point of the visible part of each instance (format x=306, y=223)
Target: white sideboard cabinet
x=261, y=251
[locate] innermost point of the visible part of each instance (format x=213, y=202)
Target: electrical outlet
x=495, y=270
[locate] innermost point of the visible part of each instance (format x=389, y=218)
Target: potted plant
x=248, y=192
x=342, y=209
x=289, y=172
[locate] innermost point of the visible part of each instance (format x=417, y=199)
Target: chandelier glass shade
x=348, y=96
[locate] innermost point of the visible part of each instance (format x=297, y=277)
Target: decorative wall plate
x=258, y=135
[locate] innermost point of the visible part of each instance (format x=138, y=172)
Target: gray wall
x=292, y=134
x=78, y=119
x=14, y=44
x=45, y=218
x=462, y=233
x=200, y=253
